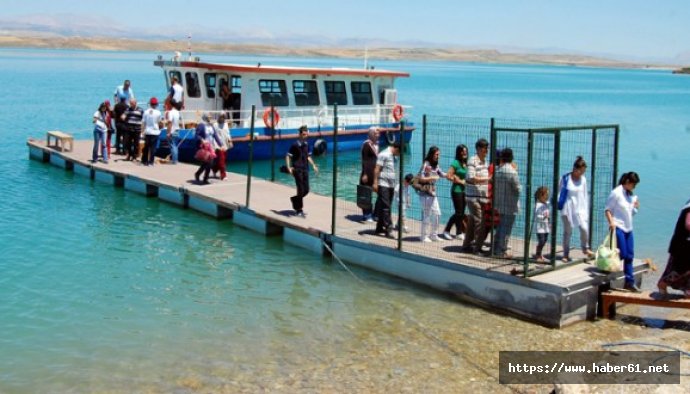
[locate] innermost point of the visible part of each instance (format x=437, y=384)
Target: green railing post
x=528, y=201
x=593, y=183
x=615, y=156
x=423, y=137
x=490, y=155
x=273, y=144
x=401, y=187
x=335, y=169
x=250, y=162
x=554, y=194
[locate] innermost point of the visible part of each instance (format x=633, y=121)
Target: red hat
x=153, y=101
x=107, y=103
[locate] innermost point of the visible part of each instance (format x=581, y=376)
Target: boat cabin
x=300, y=95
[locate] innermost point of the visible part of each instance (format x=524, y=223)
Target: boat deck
x=572, y=291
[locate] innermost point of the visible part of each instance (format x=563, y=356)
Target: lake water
x=106, y=290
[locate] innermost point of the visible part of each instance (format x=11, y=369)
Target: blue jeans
x=99, y=138
x=505, y=227
x=626, y=244
x=174, y=149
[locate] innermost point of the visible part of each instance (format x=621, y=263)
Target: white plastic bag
x=608, y=256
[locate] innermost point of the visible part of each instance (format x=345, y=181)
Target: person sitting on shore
x=677, y=272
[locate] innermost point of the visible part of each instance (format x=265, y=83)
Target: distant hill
x=55, y=41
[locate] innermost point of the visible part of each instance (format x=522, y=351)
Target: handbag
x=364, y=197
x=563, y=195
x=607, y=256
x=205, y=153
x=422, y=187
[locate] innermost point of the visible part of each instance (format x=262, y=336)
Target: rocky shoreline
x=382, y=53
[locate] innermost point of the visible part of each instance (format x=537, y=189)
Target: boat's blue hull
x=265, y=147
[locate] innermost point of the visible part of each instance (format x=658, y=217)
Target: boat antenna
x=366, y=55
x=189, y=45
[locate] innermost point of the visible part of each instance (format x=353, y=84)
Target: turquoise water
x=107, y=290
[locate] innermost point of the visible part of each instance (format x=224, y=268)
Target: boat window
x=192, y=81
x=335, y=92
x=236, y=84
x=175, y=74
x=273, y=92
x=306, y=93
x=361, y=93
x=210, y=79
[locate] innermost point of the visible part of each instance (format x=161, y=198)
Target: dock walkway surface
x=555, y=298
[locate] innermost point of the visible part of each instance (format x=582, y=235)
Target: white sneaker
x=435, y=238
x=405, y=230
x=460, y=237
x=446, y=235
x=425, y=239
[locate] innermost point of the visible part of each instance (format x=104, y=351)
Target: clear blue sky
x=640, y=28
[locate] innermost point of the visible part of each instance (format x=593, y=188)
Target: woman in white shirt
x=573, y=204
x=99, y=131
x=620, y=208
x=431, y=211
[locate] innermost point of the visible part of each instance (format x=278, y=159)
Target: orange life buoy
x=398, y=112
x=267, y=117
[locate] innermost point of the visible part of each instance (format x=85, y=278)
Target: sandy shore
x=438, y=54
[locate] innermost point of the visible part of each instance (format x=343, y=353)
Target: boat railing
x=292, y=118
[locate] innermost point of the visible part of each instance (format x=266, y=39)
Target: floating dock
x=555, y=298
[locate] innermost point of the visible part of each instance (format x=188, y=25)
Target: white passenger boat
x=283, y=99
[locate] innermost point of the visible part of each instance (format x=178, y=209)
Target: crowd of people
x=131, y=124
x=491, y=193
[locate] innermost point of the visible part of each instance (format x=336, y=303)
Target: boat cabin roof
x=266, y=69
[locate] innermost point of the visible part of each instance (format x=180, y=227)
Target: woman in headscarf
x=369, y=152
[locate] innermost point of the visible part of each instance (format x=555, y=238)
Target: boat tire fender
x=320, y=147
x=398, y=112
x=267, y=117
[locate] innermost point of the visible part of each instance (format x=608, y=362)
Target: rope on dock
x=341, y=262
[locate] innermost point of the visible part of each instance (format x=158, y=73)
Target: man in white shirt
x=176, y=94
x=172, y=122
x=477, y=191
x=151, y=123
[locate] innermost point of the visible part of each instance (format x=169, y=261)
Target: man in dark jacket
x=120, y=126
x=297, y=161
